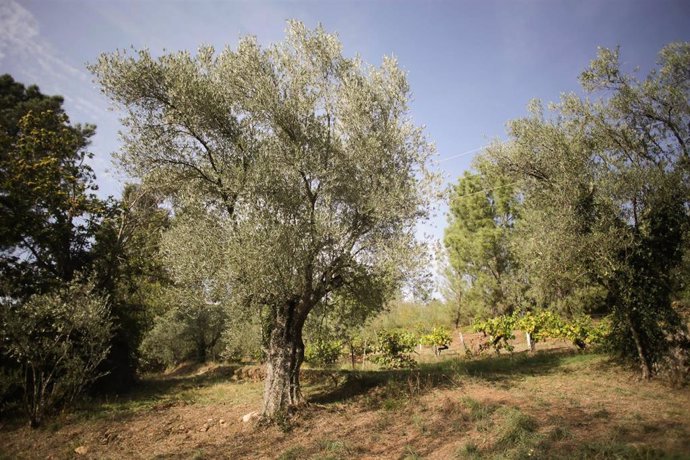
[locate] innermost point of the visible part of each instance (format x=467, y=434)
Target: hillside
x=549, y=405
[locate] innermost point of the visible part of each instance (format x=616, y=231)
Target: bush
x=538, y=325
x=57, y=340
x=438, y=337
x=499, y=332
x=584, y=333
x=242, y=340
x=323, y=352
x=393, y=349
x=189, y=331
x=581, y=331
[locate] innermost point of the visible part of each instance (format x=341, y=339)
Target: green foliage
x=483, y=211
x=323, y=352
x=499, y=331
x=303, y=168
x=393, y=349
x=582, y=331
x=130, y=269
x=539, y=325
x=50, y=210
x=190, y=330
x=412, y=316
x=438, y=337
x=339, y=319
x=58, y=341
x=604, y=189
x=241, y=339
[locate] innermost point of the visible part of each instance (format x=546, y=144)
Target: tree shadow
x=503, y=370
x=154, y=392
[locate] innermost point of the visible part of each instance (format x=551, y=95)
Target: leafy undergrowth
x=547, y=405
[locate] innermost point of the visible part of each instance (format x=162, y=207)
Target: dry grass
x=550, y=405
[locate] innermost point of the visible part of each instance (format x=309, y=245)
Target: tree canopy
x=303, y=168
x=483, y=211
x=47, y=195
x=605, y=190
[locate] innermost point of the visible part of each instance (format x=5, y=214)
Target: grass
x=157, y=393
x=469, y=451
x=292, y=453
x=516, y=436
x=543, y=405
x=478, y=412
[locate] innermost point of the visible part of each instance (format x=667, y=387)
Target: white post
x=530, y=345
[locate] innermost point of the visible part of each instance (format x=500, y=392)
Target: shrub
x=499, y=332
x=57, y=340
x=438, y=337
x=581, y=331
x=190, y=330
x=323, y=352
x=538, y=325
x=393, y=349
x=242, y=340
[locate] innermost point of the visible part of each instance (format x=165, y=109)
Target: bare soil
x=552, y=404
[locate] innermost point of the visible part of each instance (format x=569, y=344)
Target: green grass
x=478, y=412
x=155, y=393
x=514, y=433
x=469, y=451
x=293, y=453
x=517, y=430
x=505, y=370
x=335, y=450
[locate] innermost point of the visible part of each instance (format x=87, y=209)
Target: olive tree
x=306, y=163
x=605, y=189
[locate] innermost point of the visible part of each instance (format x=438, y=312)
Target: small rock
x=250, y=416
x=221, y=421
x=210, y=421
x=204, y=428
x=81, y=450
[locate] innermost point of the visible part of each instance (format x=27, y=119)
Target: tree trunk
x=645, y=366
x=285, y=355
x=200, y=351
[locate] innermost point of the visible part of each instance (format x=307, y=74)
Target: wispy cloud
x=20, y=39
x=31, y=58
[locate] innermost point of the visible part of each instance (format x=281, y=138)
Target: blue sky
x=472, y=65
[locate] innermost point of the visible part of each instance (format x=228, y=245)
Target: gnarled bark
x=285, y=355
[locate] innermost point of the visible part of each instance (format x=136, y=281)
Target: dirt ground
x=552, y=404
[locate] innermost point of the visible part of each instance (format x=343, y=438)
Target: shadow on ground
x=330, y=386
x=503, y=371
x=157, y=392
